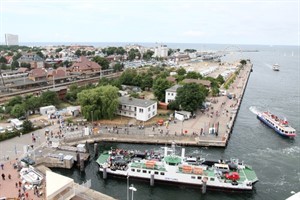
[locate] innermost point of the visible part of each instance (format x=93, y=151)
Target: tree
x=26, y=65
x=181, y=71
x=103, y=62
x=58, y=50
x=15, y=64
x=147, y=82
x=148, y=55
x=243, y=62
x=133, y=53
x=27, y=126
x=49, y=98
x=32, y=103
x=127, y=77
x=220, y=79
x=3, y=60
x=18, y=110
x=15, y=100
x=78, y=52
x=99, y=103
x=193, y=75
x=118, y=67
x=159, y=88
x=40, y=54
x=190, y=96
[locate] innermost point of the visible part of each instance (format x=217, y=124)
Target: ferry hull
x=121, y=175
x=272, y=127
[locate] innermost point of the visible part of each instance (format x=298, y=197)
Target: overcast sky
x=228, y=22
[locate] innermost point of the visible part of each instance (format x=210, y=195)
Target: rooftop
x=173, y=88
x=136, y=102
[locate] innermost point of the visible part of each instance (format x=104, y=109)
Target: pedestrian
x=16, y=184
x=20, y=183
x=3, y=176
x=9, y=176
x=26, y=195
x=2, y=166
x=24, y=188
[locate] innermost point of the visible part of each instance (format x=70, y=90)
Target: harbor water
x=276, y=160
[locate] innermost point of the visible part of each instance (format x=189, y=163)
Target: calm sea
x=276, y=160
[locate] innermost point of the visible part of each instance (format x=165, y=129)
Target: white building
x=161, y=51
x=46, y=110
x=171, y=93
x=11, y=39
x=139, y=109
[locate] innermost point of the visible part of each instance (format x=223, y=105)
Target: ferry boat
x=276, y=67
x=281, y=126
x=172, y=168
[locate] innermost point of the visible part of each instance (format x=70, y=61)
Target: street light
x=133, y=189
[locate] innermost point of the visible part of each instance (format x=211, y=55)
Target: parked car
x=22, y=118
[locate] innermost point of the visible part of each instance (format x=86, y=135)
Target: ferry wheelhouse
x=280, y=126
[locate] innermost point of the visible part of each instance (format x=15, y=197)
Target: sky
x=267, y=22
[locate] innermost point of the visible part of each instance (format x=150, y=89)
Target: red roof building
x=84, y=66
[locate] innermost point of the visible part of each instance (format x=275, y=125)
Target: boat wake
x=269, y=66
x=254, y=110
x=292, y=152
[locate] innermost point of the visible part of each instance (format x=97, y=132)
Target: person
x=2, y=166
x=16, y=184
x=3, y=176
x=9, y=176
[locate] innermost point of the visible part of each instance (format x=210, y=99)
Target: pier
x=211, y=128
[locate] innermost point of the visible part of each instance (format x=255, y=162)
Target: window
x=141, y=110
x=156, y=173
x=153, y=113
x=144, y=171
x=138, y=170
x=148, y=116
x=133, y=170
x=129, y=107
x=149, y=109
x=172, y=94
x=212, y=179
x=124, y=106
x=162, y=173
x=199, y=177
x=153, y=106
x=193, y=177
x=124, y=113
x=168, y=93
x=149, y=172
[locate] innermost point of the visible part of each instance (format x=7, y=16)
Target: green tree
x=191, y=96
x=15, y=64
x=3, y=60
x=118, y=67
x=17, y=56
x=15, y=100
x=99, y=103
x=181, y=71
x=49, y=98
x=127, y=77
x=133, y=53
x=193, y=75
x=148, y=55
x=18, y=110
x=220, y=79
x=40, y=54
x=27, y=126
x=58, y=50
x=32, y=103
x=243, y=62
x=26, y=65
x=78, y=53
x=159, y=88
x=146, y=82
x=103, y=62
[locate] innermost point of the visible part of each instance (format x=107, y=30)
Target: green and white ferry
x=171, y=168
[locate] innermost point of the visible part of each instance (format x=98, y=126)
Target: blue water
x=276, y=160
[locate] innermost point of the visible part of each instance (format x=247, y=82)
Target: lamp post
x=133, y=189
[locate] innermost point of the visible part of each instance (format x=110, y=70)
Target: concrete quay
x=222, y=114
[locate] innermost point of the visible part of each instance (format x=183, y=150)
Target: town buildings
x=171, y=93
x=161, y=51
x=140, y=109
